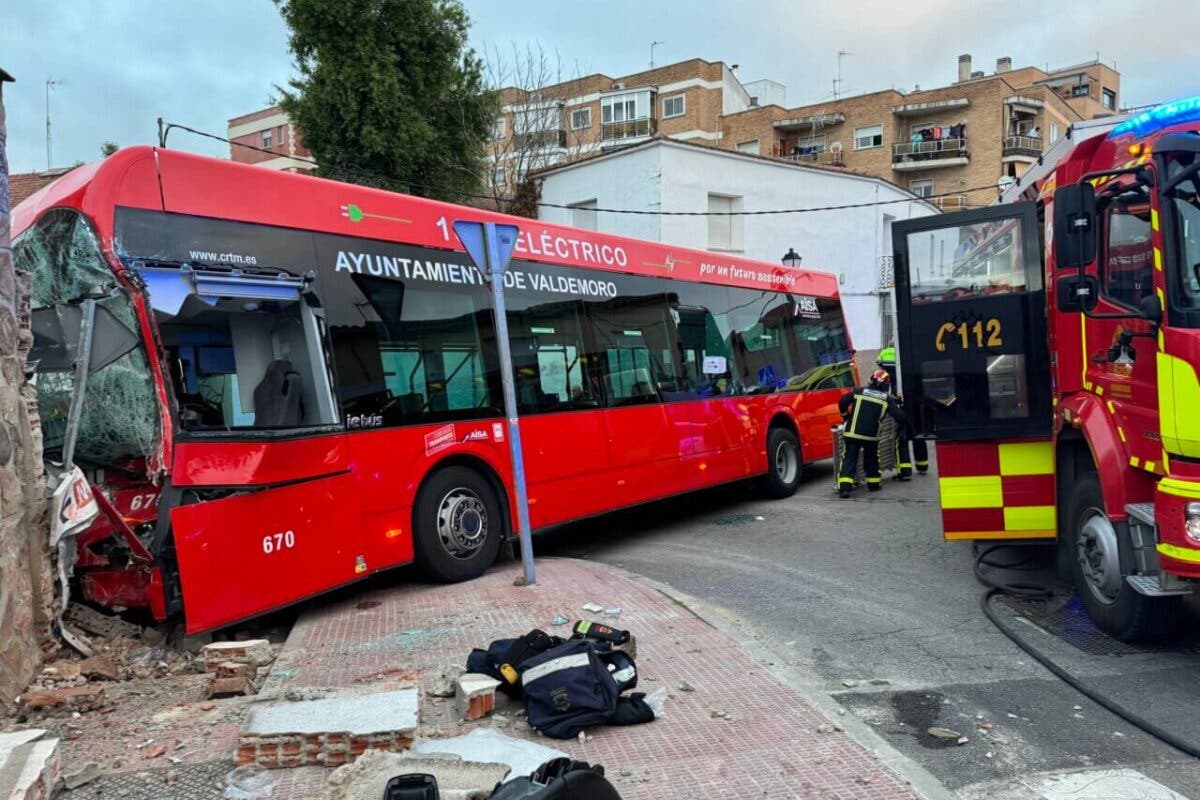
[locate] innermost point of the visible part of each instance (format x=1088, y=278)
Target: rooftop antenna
x=837, y=82
x=652, y=46
x=51, y=83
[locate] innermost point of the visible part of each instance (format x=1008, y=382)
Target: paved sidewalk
x=771, y=743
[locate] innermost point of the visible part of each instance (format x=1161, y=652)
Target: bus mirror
x=1077, y=292
x=1151, y=309
x=1075, y=225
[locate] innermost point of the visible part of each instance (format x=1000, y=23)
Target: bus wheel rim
x=462, y=523
x=1096, y=550
x=785, y=462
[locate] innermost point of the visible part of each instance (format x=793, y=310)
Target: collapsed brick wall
x=25, y=580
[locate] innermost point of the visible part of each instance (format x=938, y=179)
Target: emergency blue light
x=1166, y=114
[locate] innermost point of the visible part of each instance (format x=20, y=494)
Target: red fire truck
x=1050, y=344
x=289, y=383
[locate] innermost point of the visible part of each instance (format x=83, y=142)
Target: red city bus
x=298, y=383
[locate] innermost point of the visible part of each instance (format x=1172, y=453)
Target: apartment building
x=557, y=124
x=268, y=129
x=945, y=143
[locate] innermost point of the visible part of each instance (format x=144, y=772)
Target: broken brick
x=101, y=668
x=251, y=651
x=475, y=695
x=73, y=698
x=234, y=669
x=230, y=687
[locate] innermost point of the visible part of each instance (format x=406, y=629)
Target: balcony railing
x=629, y=129
x=951, y=202
x=539, y=139
x=827, y=157
x=933, y=150
x=1030, y=146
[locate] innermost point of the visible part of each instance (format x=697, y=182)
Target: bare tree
x=542, y=119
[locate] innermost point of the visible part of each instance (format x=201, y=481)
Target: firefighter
x=863, y=410
x=887, y=362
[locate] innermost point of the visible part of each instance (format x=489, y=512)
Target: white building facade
x=664, y=175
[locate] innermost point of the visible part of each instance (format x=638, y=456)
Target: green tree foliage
x=108, y=148
x=390, y=88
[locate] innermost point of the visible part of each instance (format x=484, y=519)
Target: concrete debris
x=29, y=765
x=962, y=740
x=457, y=779
x=476, y=695
x=519, y=580
x=84, y=775
x=101, y=668
x=987, y=754
x=684, y=686
x=612, y=611
x=582, y=737
x=626, y=772
x=489, y=745
x=943, y=733
x=250, y=782
x=443, y=685
x=99, y=623
x=500, y=721
x=251, y=651
x=61, y=671
x=849, y=684
x=657, y=700
x=985, y=726
x=593, y=608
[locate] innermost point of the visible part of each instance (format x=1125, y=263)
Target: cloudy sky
x=123, y=63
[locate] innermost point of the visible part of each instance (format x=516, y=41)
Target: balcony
x=934, y=154
x=1022, y=148
x=812, y=122
x=537, y=140
x=830, y=158
x=951, y=202
x=628, y=129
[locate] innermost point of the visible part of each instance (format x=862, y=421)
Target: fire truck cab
x=1050, y=342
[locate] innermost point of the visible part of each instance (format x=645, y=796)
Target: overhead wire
x=409, y=185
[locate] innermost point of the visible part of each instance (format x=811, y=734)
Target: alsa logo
x=355, y=421
x=806, y=304
x=476, y=436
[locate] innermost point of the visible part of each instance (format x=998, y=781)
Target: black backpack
x=505, y=658
x=560, y=778
x=568, y=688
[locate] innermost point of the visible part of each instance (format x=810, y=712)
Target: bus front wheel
x=458, y=525
x=784, y=467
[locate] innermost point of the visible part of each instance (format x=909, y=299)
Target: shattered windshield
x=119, y=421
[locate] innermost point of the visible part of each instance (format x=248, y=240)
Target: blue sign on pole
x=477, y=236
x=490, y=246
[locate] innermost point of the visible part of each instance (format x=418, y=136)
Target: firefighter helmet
x=880, y=378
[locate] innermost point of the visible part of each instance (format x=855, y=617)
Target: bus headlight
x=1191, y=523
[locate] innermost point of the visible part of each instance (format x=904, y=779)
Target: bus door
x=261, y=509
x=974, y=366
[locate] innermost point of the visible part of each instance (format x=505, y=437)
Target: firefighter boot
x=844, y=487
x=903, y=465
x=875, y=484
x=921, y=453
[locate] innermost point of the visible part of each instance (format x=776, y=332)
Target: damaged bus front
x=180, y=403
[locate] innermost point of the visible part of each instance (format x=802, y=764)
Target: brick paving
x=771, y=745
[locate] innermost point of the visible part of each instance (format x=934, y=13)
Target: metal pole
x=510, y=402
x=49, y=82
x=83, y=363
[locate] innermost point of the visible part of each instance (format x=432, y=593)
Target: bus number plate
x=982, y=334
x=273, y=542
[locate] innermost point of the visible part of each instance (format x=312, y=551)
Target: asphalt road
x=885, y=616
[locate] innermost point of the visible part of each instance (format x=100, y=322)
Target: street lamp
x=791, y=259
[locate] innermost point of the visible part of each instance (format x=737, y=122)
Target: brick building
x=941, y=141
x=270, y=129
x=566, y=121
x=25, y=184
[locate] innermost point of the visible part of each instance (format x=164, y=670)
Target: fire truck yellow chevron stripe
x=1180, y=488
x=1029, y=518
x=1158, y=260
x=1154, y=219
x=1027, y=458
x=977, y=491
x=1181, y=553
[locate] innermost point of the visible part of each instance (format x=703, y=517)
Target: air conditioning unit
x=619, y=85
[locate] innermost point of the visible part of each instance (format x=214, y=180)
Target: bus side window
x=634, y=336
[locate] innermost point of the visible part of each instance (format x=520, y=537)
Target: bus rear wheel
x=784, y=467
x=1110, y=601
x=458, y=525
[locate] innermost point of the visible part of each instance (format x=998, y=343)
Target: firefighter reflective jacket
x=864, y=408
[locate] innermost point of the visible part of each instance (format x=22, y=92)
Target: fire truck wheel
x=784, y=467
x=1110, y=601
x=458, y=525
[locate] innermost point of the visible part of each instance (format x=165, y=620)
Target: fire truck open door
x=975, y=370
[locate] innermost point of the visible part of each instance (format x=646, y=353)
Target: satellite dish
x=836, y=147
x=1005, y=182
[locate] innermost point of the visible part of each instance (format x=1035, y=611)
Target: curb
x=922, y=782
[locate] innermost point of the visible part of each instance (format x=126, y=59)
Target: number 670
x=278, y=541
